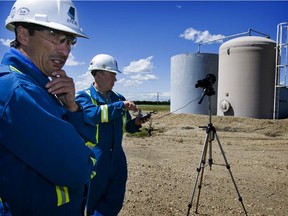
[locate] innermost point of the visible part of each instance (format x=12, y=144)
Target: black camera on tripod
x=207, y=84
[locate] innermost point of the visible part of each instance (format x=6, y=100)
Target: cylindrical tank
x=246, y=77
x=186, y=70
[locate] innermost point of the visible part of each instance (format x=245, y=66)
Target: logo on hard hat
x=104, y=66
x=23, y=11
x=71, y=14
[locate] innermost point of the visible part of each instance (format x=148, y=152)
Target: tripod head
x=207, y=85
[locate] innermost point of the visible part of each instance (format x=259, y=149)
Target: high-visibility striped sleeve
x=62, y=195
x=104, y=113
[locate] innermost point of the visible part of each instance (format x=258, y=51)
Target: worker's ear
x=22, y=35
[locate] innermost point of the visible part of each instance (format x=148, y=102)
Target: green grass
x=146, y=108
x=150, y=108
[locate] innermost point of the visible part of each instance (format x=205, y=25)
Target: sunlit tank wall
x=246, y=77
x=186, y=70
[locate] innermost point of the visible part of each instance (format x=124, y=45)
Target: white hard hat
x=104, y=62
x=56, y=14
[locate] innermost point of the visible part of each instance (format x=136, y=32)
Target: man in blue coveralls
x=44, y=163
x=109, y=111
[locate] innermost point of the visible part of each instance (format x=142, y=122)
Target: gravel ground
x=163, y=167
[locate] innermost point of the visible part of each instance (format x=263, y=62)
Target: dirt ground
x=163, y=167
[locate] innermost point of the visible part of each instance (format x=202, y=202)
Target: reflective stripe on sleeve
x=104, y=113
x=62, y=195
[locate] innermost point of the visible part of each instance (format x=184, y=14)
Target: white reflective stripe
x=104, y=113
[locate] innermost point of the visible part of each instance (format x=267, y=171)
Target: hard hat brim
x=107, y=70
x=10, y=26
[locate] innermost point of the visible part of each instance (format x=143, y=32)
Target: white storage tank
x=246, y=77
x=186, y=70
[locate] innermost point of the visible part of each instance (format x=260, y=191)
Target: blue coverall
x=107, y=188
x=44, y=163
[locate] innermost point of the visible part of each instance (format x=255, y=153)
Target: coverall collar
x=16, y=59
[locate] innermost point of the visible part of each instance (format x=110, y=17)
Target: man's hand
x=63, y=87
x=130, y=105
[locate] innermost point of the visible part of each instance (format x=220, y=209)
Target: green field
x=150, y=108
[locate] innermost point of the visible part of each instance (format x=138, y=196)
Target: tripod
x=210, y=136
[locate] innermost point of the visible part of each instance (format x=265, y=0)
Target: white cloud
x=140, y=66
x=5, y=42
x=85, y=80
x=129, y=82
x=72, y=62
x=200, y=36
x=144, y=77
x=138, y=72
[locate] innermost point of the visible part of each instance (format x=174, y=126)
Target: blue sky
x=144, y=35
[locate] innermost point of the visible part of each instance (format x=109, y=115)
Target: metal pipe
x=235, y=35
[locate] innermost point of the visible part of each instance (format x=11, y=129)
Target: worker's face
x=48, y=50
x=105, y=80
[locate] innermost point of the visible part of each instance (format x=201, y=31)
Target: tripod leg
x=211, y=138
x=199, y=189
x=208, y=144
x=230, y=172
x=199, y=169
